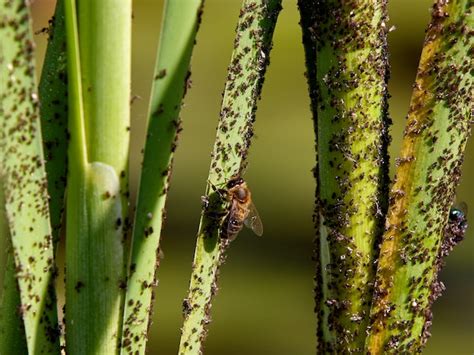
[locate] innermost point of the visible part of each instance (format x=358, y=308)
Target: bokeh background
x=265, y=301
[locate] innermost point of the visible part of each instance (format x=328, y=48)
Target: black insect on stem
x=454, y=233
x=455, y=229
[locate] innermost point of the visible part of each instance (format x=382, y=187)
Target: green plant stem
x=24, y=179
x=428, y=171
x=180, y=25
x=105, y=51
x=243, y=87
x=97, y=181
x=53, y=111
x=12, y=331
x=347, y=69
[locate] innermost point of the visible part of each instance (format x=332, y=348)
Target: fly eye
x=241, y=194
x=234, y=182
x=455, y=214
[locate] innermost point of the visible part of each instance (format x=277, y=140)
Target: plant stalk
x=347, y=70
x=24, y=180
x=170, y=82
x=97, y=197
x=428, y=171
x=235, y=129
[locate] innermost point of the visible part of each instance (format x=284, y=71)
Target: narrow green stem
x=243, y=87
x=24, y=179
x=345, y=44
x=77, y=147
x=97, y=196
x=180, y=24
x=428, y=171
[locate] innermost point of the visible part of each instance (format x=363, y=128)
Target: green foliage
x=99, y=99
x=361, y=307
x=24, y=181
x=169, y=87
x=53, y=112
x=347, y=71
x=428, y=171
x=12, y=331
x=234, y=132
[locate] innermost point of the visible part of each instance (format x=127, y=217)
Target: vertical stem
x=24, y=179
x=105, y=52
x=345, y=44
x=428, y=171
x=180, y=25
x=97, y=201
x=235, y=129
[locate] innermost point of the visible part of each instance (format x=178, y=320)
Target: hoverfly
x=242, y=210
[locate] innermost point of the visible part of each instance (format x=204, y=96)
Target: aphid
x=242, y=210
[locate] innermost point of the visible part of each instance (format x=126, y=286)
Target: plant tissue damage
x=378, y=254
x=438, y=126
x=454, y=233
x=234, y=133
x=347, y=72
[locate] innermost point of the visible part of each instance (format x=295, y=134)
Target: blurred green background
x=265, y=301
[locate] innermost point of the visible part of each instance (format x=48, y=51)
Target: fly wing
x=462, y=206
x=253, y=220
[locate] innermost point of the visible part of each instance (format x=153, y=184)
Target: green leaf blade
x=53, y=111
x=12, y=330
x=168, y=89
x=24, y=179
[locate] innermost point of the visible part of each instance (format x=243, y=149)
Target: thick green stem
x=243, y=87
x=99, y=89
x=24, y=179
x=105, y=52
x=180, y=24
x=345, y=44
x=428, y=170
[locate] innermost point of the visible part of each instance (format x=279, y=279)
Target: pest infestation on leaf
x=456, y=228
x=379, y=246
